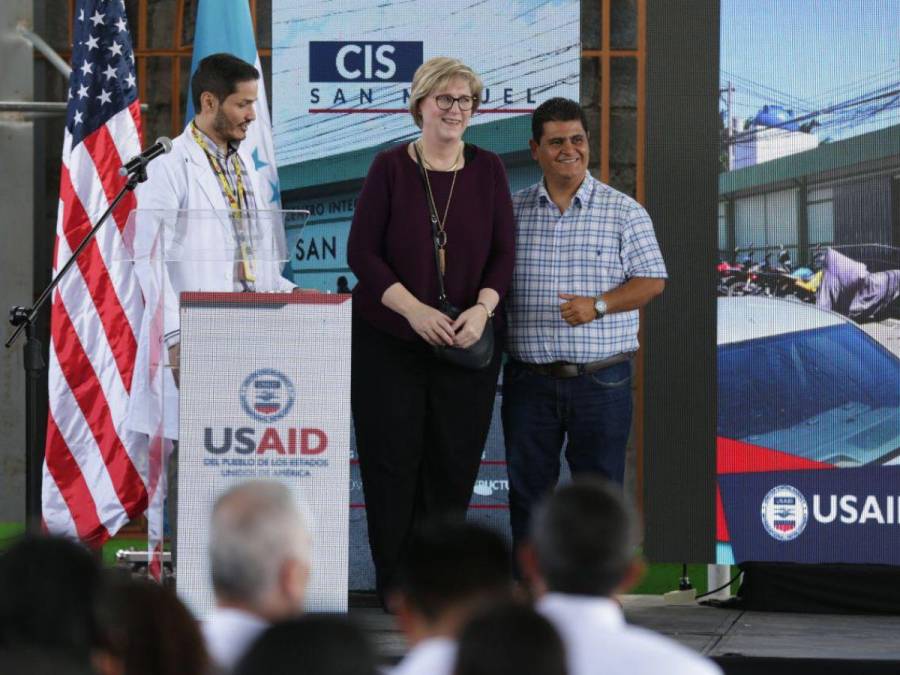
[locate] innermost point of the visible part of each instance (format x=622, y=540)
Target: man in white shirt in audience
x=453, y=569
x=259, y=560
x=580, y=554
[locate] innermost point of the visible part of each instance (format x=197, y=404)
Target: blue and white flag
x=226, y=26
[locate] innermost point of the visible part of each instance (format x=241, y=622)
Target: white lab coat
x=199, y=252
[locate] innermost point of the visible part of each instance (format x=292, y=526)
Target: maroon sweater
x=390, y=238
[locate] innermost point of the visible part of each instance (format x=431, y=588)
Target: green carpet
x=658, y=579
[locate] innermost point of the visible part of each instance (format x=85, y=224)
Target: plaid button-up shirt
x=601, y=241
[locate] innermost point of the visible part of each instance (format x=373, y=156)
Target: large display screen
x=808, y=283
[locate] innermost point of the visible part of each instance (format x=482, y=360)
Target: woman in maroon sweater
x=421, y=423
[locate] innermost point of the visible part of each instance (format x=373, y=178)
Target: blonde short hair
x=434, y=74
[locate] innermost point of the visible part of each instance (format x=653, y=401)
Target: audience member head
x=259, y=550
x=48, y=591
x=509, y=639
x=451, y=568
x=312, y=645
x=582, y=541
x=148, y=630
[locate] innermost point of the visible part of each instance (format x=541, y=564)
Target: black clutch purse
x=479, y=355
x=474, y=357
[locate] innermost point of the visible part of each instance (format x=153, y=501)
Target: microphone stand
x=23, y=319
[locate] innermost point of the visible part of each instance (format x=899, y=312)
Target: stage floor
x=717, y=633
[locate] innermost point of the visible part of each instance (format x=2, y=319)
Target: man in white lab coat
x=200, y=226
x=193, y=214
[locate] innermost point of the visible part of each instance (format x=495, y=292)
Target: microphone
x=161, y=147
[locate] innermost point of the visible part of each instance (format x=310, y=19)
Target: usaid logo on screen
x=784, y=513
x=364, y=61
x=267, y=395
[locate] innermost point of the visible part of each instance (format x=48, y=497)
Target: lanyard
x=234, y=198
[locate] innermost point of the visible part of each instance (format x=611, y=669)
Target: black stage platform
x=741, y=642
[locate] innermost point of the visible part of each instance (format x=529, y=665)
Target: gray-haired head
x=256, y=531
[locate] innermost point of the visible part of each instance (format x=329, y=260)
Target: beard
x=224, y=128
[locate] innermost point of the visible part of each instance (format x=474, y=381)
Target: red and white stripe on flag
x=95, y=468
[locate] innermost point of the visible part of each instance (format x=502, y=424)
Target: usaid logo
x=784, y=513
x=267, y=395
x=364, y=61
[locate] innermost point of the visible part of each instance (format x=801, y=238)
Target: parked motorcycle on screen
x=728, y=273
x=741, y=278
x=774, y=280
x=777, y=280
x=808, y=279
x=850, y=288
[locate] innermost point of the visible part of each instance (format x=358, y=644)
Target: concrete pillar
x=16, y=254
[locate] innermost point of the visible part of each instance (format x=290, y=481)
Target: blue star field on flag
x=103, y=79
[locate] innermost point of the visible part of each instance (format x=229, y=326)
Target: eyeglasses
x=446, y=101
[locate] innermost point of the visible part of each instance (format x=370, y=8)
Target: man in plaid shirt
x=586, y=261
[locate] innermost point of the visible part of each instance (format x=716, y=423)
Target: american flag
x=95, y=471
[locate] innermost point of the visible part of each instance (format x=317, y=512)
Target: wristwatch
x=600, y=307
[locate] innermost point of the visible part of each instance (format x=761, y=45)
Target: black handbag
x=479, y=355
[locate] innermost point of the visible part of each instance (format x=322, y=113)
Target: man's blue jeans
x=592, y=411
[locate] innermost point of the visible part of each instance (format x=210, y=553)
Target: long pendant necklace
x=442, y=232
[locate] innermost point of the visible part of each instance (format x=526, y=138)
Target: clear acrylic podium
x=239, y=377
